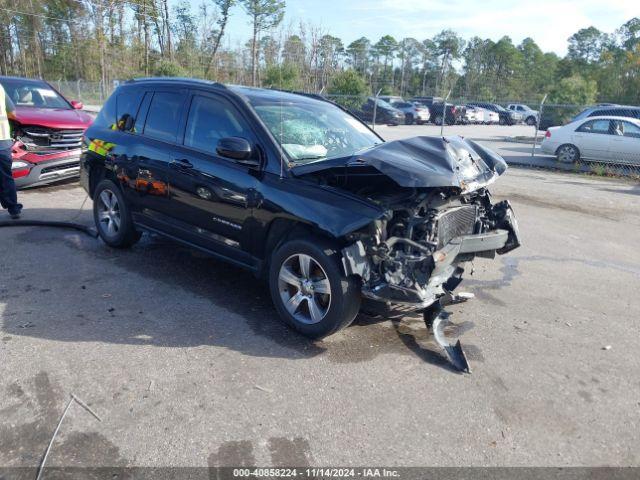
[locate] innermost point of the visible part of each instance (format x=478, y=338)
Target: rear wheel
x=438, y=119
x=568, y=153
x=531, y=121
x=309, y=290
x=112, y=216
x=502, y=121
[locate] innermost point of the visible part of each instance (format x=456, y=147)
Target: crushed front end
x=436, y=215
x=414, y=255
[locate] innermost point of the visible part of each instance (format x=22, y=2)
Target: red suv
x=47, y=130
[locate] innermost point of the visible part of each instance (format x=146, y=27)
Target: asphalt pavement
x=185, y=362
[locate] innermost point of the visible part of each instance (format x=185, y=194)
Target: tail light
x=548, y=134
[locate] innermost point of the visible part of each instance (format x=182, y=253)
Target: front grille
x=56, y=168
x=41, y=138
x=456, y=222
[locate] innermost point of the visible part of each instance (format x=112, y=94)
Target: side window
x=595, y=126
x=127, y=105
x=163, y=116
x=627, y=129
x=210, y=120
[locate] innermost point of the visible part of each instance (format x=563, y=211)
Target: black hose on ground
x=47, y=223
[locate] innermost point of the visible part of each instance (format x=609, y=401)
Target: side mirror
x=238, y=149
x=77, y=105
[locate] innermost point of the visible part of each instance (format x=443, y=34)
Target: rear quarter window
x=164, y=115
x=127, y=105
x=106, y=118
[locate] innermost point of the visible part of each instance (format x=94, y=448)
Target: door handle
x=181, y=163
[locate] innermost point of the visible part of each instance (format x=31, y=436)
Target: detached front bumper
x=42, y=168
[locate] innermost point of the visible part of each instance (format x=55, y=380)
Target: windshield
x=33, y=94
x=312, y=130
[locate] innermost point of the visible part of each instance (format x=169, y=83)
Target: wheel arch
x=281, y=230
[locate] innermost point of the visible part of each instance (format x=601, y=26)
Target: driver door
x=213, y=196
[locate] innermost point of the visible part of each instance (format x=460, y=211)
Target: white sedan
x=613, y=139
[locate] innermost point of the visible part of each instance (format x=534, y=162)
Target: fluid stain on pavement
x=23, y=444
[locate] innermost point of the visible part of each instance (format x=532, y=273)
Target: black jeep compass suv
x=296, y=189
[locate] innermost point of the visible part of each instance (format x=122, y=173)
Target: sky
x=548, y=22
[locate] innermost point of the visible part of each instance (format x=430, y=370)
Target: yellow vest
x=5, y=132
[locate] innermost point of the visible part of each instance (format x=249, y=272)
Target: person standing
x=8, y=194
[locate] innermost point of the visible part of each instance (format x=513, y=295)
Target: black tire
x=122, y=235
x=438, y=119
x=342, y=305
x=567, y=153
x=408, y=119
x=531, y=121
x=419, y=122
x=502, y=121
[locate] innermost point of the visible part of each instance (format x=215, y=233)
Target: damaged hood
x=422, y=162
x=53, y=117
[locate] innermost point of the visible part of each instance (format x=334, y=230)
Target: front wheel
x=568, y=153
x=112, y=217
x=502, y=121
x=309, y=290
x=531, y=121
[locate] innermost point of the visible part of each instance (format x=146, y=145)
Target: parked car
x=506, y=117
x=609, y=111
x=47, y=130
x=413, y=112
x=530, y=116
x=452, y=114
x=615, y=139
x=385, y=113
x=296, y=190
x=484, y=116
x=473, y=116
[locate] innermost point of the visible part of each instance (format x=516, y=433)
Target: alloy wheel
x=304, y=288
x=109, y=213
x=567, y=154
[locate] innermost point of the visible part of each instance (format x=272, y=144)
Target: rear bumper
x=46, y=168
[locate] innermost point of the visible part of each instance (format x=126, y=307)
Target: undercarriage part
x=41, y=223
x=435, y=318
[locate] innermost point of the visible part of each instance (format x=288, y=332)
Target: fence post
x=444, y=114
x=535, y=136
x=375, y=108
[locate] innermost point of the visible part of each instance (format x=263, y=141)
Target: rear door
x=593, y=139
x=213, y=196
x=625, y=142
x=160, y=122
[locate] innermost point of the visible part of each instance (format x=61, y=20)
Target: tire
x=289, y=282
x=419, y=122
x=567, y=153
x=113, y=217
x=438, y=119
x=531, y=121
x=408, y=119
x=502, y=121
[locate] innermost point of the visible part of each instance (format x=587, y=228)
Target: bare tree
x=224, y=7
x=264, y=14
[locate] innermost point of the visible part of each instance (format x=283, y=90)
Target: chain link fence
x=622, y=156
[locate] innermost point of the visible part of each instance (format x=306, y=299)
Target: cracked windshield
x=312, y=131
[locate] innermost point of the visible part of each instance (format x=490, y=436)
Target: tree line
x=105, y=40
